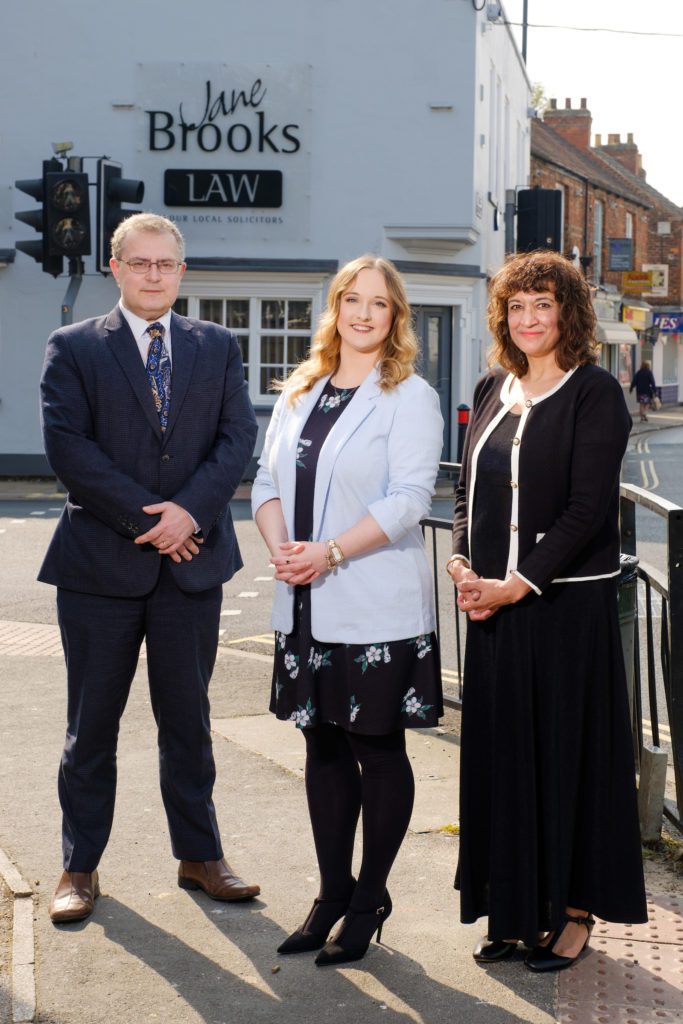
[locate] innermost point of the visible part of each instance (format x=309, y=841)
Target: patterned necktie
x=159, y=373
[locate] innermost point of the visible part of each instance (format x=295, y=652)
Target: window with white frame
x=273, y=328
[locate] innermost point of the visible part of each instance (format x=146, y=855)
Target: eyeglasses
x=144, y=266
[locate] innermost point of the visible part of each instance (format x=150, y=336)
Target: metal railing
x=660, y=664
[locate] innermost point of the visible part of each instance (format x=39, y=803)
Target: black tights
x=344, y=773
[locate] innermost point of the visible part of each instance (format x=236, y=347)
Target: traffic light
x=67, y=212
x=112, y=190
x=39, y=249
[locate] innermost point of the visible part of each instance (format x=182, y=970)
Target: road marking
x=232, y=611
x=663, y=730
x=37, y=513
x=248, y=593
x=263, y=579
x=655, y=478
x=17, y=521
x=644, y=475
x=262, y=638
x=57, y=508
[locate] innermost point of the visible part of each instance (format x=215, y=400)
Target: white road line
x=655, y=478
x=232, y=611
x=37, y=513
x=263, y=579
x=644, y=475
x=248, y=593
x=57, y=508
x=17, y=521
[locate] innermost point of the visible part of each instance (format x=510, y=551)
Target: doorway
x=434, y=329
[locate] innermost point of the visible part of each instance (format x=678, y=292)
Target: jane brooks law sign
x=223, y=188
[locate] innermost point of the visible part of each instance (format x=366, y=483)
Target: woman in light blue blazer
x=346, y=474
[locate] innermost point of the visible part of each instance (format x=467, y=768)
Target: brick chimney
x=573, y=124
x=625, y=152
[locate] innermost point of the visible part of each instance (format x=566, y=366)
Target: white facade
x=391, y=126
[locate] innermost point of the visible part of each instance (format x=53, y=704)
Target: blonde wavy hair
x=400, y=350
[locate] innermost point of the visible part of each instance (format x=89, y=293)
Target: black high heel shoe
x=313, y=933
x=490, y=951
x=354, y=935
x=542, y=958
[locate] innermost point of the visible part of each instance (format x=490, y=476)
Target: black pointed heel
x=542, y=958
x=490, y=951
x=354, y=935
x=313, y=933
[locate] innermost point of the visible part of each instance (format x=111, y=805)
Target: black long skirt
x=548, y=814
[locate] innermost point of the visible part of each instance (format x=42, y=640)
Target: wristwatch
x=335, y=555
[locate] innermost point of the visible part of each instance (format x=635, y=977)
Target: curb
x=23, y=945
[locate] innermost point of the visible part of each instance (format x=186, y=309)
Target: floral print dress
x=372, y=688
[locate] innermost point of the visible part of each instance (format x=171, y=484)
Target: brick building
x=613, y=220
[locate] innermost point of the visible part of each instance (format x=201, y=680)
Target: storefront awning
x=613, y=332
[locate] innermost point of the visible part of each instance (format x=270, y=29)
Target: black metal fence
x=656, y=649
x=658, y=669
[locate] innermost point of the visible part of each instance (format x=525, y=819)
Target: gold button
x=528, y=403
x=513, y=483
x=513, y=527
x=516, y=440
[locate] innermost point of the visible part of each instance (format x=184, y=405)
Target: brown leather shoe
x=216, y=878
x=74, y=896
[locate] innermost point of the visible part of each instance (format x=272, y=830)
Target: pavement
x=152, y=952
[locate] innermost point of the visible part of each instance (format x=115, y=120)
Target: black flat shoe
x=354, y=934
x=542, y=958
x=489, y=951
x=313, y=933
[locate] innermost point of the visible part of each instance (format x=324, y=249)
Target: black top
x=493, y=502
x=570, y=451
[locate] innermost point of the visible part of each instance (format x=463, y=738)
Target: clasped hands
x=173, y=535
x=300, y=562
x=480, y=598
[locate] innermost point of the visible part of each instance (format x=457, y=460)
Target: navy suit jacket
x=103, y=441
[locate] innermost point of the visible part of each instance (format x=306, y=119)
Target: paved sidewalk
x=152, y=952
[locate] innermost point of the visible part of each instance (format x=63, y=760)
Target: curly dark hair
x=538, y=272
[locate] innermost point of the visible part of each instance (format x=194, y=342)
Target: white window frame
x=255, y=287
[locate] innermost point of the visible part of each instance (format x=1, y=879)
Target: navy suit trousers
x=102, y=637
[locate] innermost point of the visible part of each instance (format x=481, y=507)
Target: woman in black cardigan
x=548, y=817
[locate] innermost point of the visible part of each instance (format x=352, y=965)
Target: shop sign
x=223, y=188
x=225, y=150
x=620, y=253
x=635, y=282
x=669, y=323
x=639, y=319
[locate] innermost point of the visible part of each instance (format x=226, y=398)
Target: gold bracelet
x=456, y=558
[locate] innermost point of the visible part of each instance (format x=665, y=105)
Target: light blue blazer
x=382, y=457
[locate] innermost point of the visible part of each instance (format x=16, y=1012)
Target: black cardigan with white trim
x=565, y=474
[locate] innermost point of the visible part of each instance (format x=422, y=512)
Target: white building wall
x=394, y=120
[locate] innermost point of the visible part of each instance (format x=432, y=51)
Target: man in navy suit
x=148, y=424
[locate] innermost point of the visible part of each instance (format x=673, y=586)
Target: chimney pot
x=553, y=103
x=629, y=138
x=568, y=103
x=598, y=140
x=613, y=140
x=583, y=102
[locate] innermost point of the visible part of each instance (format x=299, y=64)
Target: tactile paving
x=631, y=974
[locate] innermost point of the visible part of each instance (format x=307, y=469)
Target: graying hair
x=152, y=222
